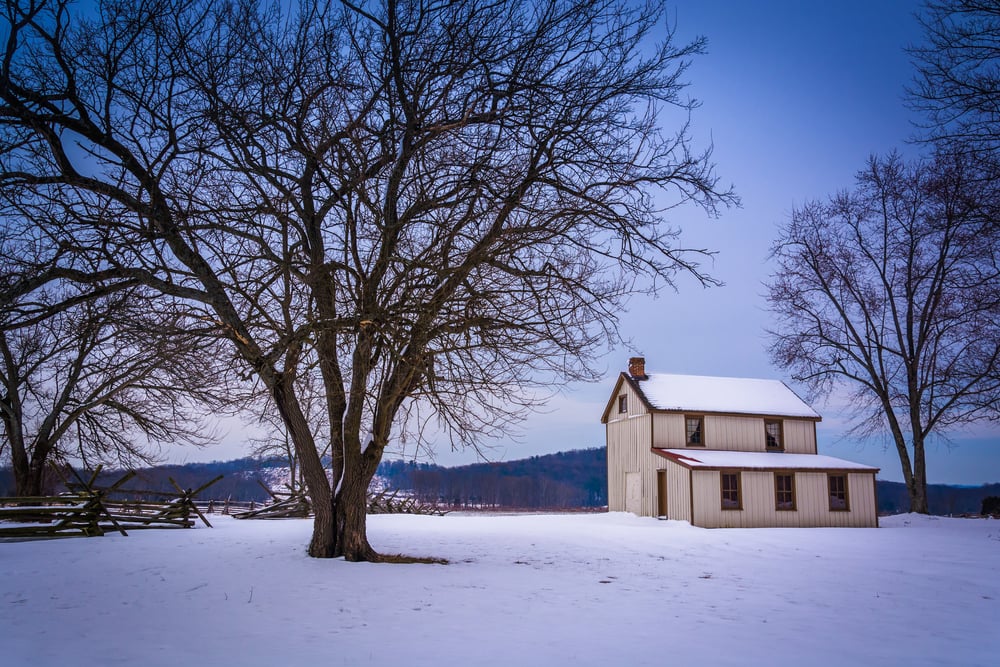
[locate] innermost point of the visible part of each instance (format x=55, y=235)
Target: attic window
x=773, y=436
x=623, y=404
x=695, y=436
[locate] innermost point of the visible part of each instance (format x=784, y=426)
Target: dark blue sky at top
x=795, y=96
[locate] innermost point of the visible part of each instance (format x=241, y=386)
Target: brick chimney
x=637, y=368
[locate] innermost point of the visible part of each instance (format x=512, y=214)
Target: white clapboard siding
x=758, y=501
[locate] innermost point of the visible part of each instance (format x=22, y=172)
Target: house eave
x=692, y=463
x=715, y=413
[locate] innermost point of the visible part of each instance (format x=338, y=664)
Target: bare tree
x=957, y=86
x=102, y=381
x=442, y=207
x=893, y=290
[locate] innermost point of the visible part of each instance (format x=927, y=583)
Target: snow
x=712, y=459
x=585, y=589
x=700, y=393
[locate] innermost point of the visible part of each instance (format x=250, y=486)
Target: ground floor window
x=731, y=491
x=784, y=491
x=838, y=492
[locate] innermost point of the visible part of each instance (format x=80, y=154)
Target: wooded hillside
x=574, y=479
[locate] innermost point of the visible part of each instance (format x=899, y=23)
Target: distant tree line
x=239, y=482
x=555, y=481
x=942, y=499
x=565, y=480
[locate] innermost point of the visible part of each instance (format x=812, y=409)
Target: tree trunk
x=28, y=480
x=350, y=509
x=918, y=483
x=913, y=487
x=324, y=538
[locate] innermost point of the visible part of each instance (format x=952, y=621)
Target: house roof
x=715, y=459
x=700, y=393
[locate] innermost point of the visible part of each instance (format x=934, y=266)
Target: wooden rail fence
x=90, y=510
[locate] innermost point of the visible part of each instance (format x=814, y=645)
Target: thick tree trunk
x=350, y=509
x=904, y=459
x=324, y=538
x=323, y=543
x=29, y=480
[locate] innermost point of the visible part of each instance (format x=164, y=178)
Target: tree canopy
x=428, y=210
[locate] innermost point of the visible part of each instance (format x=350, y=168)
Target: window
x=731, y=491
x=623, y=404
x=838, y=493
x=784, y=491
x=773, y=436
x=695, y=431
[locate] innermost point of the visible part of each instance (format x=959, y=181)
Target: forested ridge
x=565, y=480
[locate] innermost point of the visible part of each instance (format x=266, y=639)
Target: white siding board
x=812, y=500
x=678, y=492
x=734, y=433
x=668, y=430
x=800, y=436
x=862, y=496
x=706, y=495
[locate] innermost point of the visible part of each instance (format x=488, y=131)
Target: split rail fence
x=90, y=510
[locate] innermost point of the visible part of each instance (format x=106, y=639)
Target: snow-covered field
x=598, y=589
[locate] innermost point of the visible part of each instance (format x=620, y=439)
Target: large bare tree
x=438, y=208
x=892, y=290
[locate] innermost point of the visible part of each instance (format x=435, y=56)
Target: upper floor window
x=695, y=428
x=731, y=491
x=773, y=436
x=784, y=491
x=838, y=492
x=623, y=404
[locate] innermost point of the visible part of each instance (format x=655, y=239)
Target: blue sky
x=795, y=97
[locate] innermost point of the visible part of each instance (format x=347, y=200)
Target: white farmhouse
x=726, y=453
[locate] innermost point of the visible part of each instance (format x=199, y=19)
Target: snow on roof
x=710, y=458
x=721, y=394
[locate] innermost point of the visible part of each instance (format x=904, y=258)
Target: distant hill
x=573, y=479
x=566, y=480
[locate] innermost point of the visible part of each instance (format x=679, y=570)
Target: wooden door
x=661, y=494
